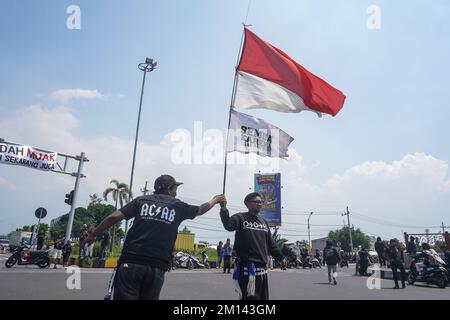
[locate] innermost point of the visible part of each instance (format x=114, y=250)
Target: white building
x=318, y=244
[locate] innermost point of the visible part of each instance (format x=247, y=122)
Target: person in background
x=339, y=248
x=219, y=254
x=83, y=235
x=394, y=257
x=358, y=259
x=363, y=261
x=89, y=248
x=104, y=244
x=411, y=249
x=379, y=248
x=227, y=251
x=40, y=239
x=446, y=253
x=66, y=251
x=331, y=258
x=318, y=256
x=57, y=250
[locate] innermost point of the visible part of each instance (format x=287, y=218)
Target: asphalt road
x=30, y=282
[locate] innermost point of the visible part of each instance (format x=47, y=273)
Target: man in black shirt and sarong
x=253, y=243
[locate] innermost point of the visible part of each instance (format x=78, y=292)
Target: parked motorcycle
x=306, y=262
x=428, y=267
x=197, y=262
x=315, y=263
x=23, y=256
x=293, y=261
x=185, y=260
x=205, y=259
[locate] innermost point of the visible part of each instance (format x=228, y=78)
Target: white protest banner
x=249, y=134
x=26, y=156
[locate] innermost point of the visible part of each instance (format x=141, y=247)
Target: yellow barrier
x=111, y=263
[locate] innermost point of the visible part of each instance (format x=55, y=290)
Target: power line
x=200, y=228
x=301, y=235
x=285, y=211
x=389, y=223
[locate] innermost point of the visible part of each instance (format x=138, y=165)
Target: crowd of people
x=225, y=253
x=148, y=247
x=60, y=249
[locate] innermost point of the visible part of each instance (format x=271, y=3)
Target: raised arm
x=113, y=218
x=211, y=203
x=229, y=223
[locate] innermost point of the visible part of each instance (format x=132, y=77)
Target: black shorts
x=138, y=282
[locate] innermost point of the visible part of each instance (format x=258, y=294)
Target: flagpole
x=233, y=94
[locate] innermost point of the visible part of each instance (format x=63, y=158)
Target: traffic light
x=69, y=198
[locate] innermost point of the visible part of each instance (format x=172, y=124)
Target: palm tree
x=121, y=194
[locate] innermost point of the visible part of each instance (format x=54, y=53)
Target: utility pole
x=444, y=227
x=77, y=175
x=349, y=228
x=145, y=190
x=309, y=236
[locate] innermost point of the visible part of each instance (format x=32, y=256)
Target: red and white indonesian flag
x=268, y=78
x=249, y=134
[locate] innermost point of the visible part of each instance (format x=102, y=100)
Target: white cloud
x=406, y=188
x=67, y=95
x=6, y=184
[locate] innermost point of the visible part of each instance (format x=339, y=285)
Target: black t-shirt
x=253, y=240
x=59, y=243
x=330, y=256
x=105, y=239
x=152, y=236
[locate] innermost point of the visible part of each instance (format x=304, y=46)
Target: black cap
x=164, y=182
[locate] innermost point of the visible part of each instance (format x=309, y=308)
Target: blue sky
x=396, y=80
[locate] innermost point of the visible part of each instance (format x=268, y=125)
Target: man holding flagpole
x=147, y=251
x=253, y=244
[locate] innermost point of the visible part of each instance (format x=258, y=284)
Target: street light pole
x=147, y=66
x=309, y=235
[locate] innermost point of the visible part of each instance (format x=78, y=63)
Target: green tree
x=92, y=216
x=24, y=228
x=277, y=238
x=82, y=216
x=99, y=211
x=342, y=235
x=95, y=199
x=121, y=194
x=43, y=227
